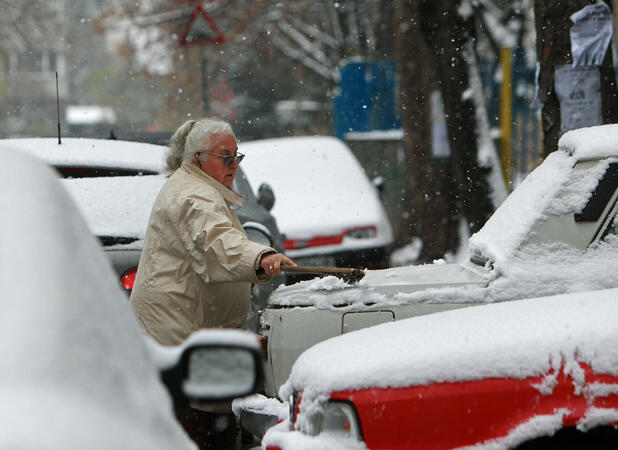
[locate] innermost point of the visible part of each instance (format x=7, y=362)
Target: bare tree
x=437, y=50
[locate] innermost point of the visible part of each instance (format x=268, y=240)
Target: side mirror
x=213, y=366
x=266, y=196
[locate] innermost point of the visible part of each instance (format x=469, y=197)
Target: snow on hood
x=382, y=287
x=515, y=339
x=93, y=152
x=320, y=188
x=116, y=206
x=74, y=365
x=537, y=270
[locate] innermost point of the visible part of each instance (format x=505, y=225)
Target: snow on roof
x=92, y=152
x=591, y=143
x=116, y=206
x=516, y=339
x=320, y=188
x=74, y=365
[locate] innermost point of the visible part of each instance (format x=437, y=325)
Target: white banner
x=579, y=93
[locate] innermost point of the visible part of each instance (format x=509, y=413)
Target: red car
x=536, y=373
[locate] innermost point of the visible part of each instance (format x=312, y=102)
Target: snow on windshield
x=73, y=361
x=553, y=188
x=116, y=206
x=515, y=339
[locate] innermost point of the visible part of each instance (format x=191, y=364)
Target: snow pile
x=515, y=339
x=73, y=360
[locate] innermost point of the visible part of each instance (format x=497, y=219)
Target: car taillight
x=263, y=340
x=127, y=279
x=354, y=233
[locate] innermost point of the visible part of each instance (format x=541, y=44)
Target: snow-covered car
x=76, y=369
x=554, y=234
x=329, y=211
x=115, y=184
x=527, y=374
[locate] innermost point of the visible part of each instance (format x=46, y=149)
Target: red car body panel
x=450, y=415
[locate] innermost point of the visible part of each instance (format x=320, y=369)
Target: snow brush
x=350, y=275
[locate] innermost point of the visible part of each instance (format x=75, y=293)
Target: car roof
x=74, y=364
x=104, y=153
x=520, y=338
x=320, y=186
x=591, y=142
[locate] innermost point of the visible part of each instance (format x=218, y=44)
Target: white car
x=76, y=370
x=555, y=233
x=328, y=210
x=535, y=373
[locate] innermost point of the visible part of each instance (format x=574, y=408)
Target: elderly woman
x=197, y=265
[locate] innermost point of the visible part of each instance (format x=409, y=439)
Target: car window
x=600, y=197
x=91, y=172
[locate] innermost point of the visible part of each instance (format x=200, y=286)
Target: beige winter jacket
x=197, y=265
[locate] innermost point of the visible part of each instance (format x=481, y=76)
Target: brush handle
x=320, y=269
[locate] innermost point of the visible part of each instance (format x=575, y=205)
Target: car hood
x=516, y=339
x=116, y=206
x=379, y=286
x=74, y=366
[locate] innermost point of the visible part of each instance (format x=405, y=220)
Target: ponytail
x=177, y=145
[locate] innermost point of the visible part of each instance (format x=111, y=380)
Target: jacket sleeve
x=219, y=252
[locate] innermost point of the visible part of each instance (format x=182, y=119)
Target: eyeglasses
x=227, y=159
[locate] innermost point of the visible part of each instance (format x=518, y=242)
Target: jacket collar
x=230, y=195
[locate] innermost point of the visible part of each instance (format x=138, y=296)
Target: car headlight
x=338, y=419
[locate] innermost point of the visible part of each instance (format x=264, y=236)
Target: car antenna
x=58, y=108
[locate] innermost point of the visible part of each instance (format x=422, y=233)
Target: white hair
x=192, y=137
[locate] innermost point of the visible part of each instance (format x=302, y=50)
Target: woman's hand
x=271, y=263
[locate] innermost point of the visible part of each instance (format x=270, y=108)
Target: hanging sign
x=591, y=34
x=579, y=93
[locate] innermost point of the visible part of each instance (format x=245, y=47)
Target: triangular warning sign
x=201, y=29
